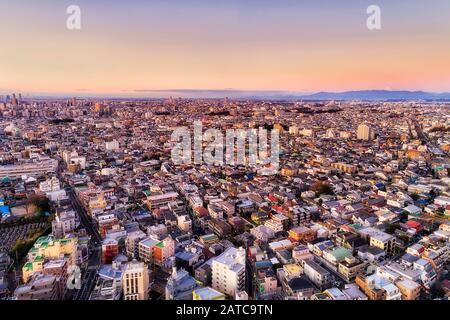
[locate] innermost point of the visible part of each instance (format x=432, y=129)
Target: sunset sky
x=143, y=48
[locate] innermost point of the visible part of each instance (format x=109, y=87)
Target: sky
x=186, y=47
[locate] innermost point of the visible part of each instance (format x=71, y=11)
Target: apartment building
x=380, y=239
x=40, y=287
x=228, y=271
x=160, y=200
x=135, y=281
x=318, y=275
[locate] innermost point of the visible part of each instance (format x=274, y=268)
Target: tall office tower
x=72, y=102
x=14, y=101
x=364, y=132
x=20, y=97
x=228, y=271
x=135, y=281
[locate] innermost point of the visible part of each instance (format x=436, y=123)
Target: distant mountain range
x=376, y=95
x=367, y=95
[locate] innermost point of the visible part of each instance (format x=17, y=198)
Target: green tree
x=392, y=227
x=321, y=188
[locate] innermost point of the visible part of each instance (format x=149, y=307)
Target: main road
x=90, y=273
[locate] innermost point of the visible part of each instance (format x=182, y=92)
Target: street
x=90, y=273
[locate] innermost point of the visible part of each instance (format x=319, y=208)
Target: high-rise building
x=365, y=132
x=135, y=281
x=228, y=271
x=14, y=100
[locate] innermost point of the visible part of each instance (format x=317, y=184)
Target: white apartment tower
x=228, y=271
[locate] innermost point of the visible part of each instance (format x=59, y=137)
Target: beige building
x=409, y=289
x=380, y=239
x=48, y=248
x=364, y=132
x=351, y=267
x=135, y=281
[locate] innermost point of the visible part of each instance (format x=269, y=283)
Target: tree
x=42, y=203
x=415, y=196
x=392, y=227
x=321, y=188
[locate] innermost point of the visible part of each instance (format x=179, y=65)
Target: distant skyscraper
x=14, y=101
x=365, y=132
x=98, y=107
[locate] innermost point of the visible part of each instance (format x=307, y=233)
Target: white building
x=132, y=243
x=112, y=145
x=64, y=222
x=184, y=223
x=263, y=233
x=442, y=201
x=52, y=189
x=228, y=271
x=275, y=225
x=50, y=185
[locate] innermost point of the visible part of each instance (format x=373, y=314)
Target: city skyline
x=143, y=49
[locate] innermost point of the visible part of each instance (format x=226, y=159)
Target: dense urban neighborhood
x=93, y=207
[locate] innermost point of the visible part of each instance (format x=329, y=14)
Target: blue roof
x=106, y=271
x=4, y=210
x=184, y=255
x=149, y=242
x=263, y=264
